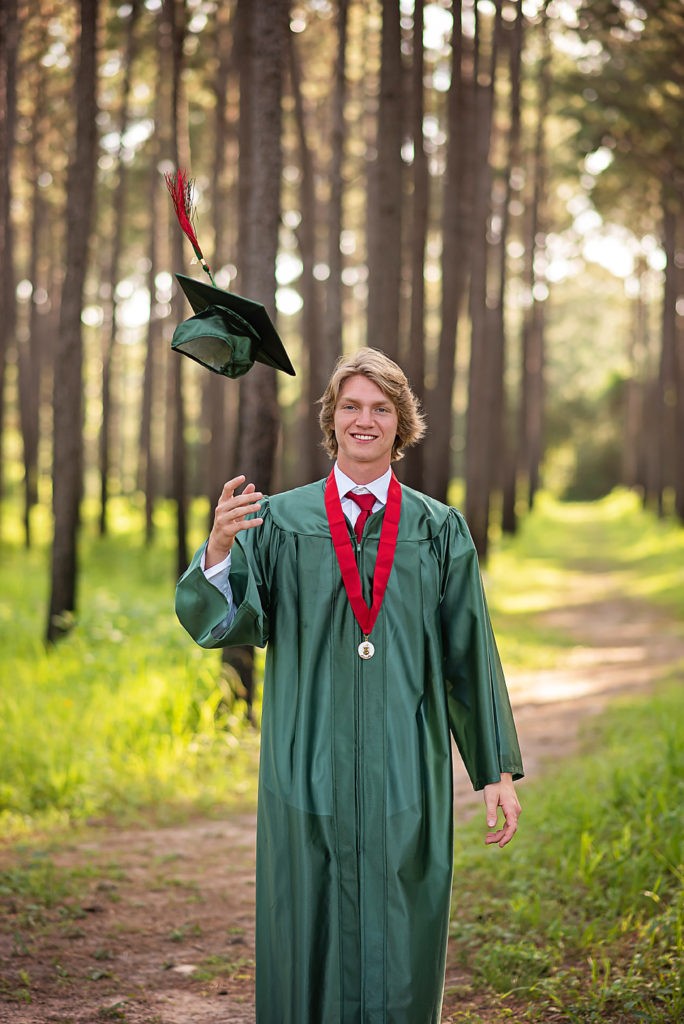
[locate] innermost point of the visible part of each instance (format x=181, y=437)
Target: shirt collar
x=378, y=488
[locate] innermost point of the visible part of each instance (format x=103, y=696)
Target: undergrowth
x=581, y=918
x=126, y=716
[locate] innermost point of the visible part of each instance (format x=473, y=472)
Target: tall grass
x=581, y=918
x=126, y=712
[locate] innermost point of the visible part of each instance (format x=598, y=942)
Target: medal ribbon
x=339, y=532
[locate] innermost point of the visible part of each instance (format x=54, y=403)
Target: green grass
x=582, y=916
x=581, y=919
x=126, y=713
x=545, y=566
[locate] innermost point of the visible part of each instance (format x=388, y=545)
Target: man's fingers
x=508, y=832
x=491, y=806
x=503, y=795
x=233, y=507
x=246, y=497
x=229, y=487
x=236, y=514
x=240, y=500
x=494, y=837
x=503, y=835
x=249, y=523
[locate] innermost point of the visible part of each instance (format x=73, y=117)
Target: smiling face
x=365, y=429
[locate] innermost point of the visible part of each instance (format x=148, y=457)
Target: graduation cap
x=228, y=332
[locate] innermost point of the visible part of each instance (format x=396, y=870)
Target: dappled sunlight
x=568, y=598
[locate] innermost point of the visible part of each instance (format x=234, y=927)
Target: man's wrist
x=214, y=554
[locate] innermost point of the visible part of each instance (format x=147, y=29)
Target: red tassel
x=181, y=192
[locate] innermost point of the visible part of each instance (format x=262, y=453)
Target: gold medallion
x=366, y=650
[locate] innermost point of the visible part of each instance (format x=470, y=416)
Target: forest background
x=491, y=192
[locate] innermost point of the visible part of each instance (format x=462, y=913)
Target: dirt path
x=163, y=929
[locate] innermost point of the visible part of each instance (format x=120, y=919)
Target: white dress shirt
x=219, y=575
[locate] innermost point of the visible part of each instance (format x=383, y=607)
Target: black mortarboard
x=228, y=332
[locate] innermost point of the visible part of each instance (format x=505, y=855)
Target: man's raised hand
x=229, y=519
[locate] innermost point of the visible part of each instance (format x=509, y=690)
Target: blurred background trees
x=491, y=191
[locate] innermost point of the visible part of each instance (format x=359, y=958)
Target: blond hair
x=391, y=379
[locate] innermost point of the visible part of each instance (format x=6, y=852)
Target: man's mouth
x=363, y=437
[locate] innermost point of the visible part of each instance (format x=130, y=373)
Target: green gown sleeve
x=203, y=610
x=480, y=714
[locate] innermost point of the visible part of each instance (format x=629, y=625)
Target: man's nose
x=365, y=416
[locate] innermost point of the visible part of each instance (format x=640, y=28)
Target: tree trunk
x=67, y=404
x=9, y=42
x=530, y=441
x=679, y=371
x=147, y=470
x=457, y=238
x=632, y=474
x=214, y=388
x=146, y=465
x=333, y=313
x=650, y=441
x=29, y=351
x=415, y=362
x=507, y=437
x=176, y=17
x=667, y=370
x=241, y=659
x=109, y=330
x=259, y=414
x=312, y=456
x=384, y=220
x=479, y=433
x=261, y=86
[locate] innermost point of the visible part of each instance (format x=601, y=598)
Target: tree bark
x=259, y=414
x=679, y=378
x=67, y=473
x=261, y=87
x=457, y=239
x=479, y=427
x=119, y=200
x=29, y=351
x=9, y=41
x=147, y=469
x=509, y=475
x=333, y=314
x=384, y=220
x=214, y=388
x=314, y=459
x=530, y=431
x=175, y=12
x=632, y=469
x=415, y=361
x=667, y=370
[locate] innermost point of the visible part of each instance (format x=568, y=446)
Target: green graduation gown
x=354, y=831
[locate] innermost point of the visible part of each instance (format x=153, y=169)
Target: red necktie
x=365, y=503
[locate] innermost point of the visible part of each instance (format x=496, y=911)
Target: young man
x=369, y=597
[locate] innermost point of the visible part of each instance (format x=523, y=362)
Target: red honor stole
x=339, y=532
